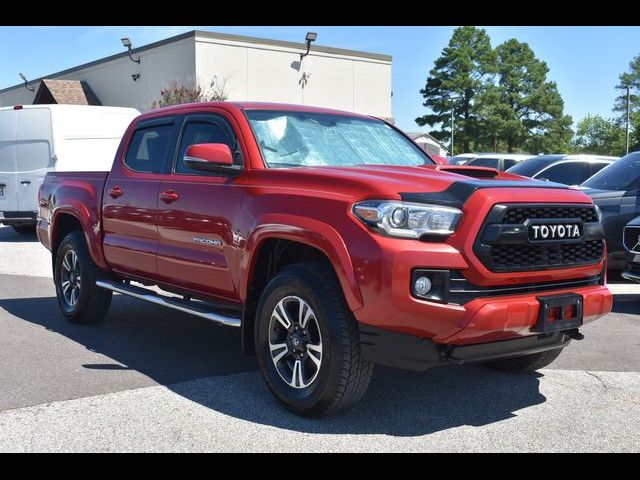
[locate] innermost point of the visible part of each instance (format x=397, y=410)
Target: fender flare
x=313, y=233
x=90, y=226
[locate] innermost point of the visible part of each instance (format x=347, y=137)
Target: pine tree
x=631, y=78
x=463, y=70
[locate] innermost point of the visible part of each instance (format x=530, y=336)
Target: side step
x=171, y=302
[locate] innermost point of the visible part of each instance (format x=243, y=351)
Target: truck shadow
x=9, y=235
x=194, y=359
x=626, y=303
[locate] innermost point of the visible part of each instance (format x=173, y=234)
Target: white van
x=36, y=139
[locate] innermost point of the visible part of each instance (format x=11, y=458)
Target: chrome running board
x=186, y=306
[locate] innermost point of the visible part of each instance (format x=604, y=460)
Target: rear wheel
x=75, y=274
x=25, y=229
x=525, y=363
x=307, y=342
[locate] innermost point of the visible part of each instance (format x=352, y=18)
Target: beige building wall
x=254, y=69
x=112, y=80
x=274, y=73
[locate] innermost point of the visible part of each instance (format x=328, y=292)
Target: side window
x=508, y=163
x=199, y=132
x=485, y=162
x=570, y=173
x=148, y=148
x=596, y=167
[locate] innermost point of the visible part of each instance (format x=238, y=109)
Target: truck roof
x=246, y=105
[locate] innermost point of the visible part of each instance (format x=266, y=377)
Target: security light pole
x=452, y=98
x=628, y=87
x=628, y=110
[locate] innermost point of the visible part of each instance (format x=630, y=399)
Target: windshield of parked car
x=623, y=174
x=491, y=162
x=528, y=168
x=299, y=139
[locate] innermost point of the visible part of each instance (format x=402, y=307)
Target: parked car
x=36, y=139
x=631, y=243
x=462, y=158
x=329, y=256
x=499, y=161
x=567, y=169
x=614, y=190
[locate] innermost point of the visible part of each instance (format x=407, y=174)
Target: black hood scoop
x=459, y=192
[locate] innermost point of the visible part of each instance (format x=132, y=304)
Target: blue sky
x=584, y=61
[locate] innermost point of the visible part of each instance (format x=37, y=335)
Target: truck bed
x=75, y=193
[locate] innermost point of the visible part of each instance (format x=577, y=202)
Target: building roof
x=416, y=135
x=74, y=92
x=214, y=36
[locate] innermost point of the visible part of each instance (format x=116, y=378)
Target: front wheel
x=75, y=274
x=307, y=342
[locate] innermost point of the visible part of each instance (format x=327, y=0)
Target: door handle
x=169, y=196
x=115, y=192
x=26, y=182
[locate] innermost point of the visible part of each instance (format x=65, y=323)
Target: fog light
x=422, y=286
x=431, y=285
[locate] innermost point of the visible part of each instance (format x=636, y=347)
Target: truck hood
x=451, y=184
x=597, y=194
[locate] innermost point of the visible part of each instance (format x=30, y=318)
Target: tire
x=525, y=363
x=337, y=376
x=25, y=229
x=90, y=303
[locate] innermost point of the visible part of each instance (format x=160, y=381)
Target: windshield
x=530, y=167
x=297, y=139
x=620, y=175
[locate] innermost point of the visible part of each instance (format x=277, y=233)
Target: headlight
x=408, y=220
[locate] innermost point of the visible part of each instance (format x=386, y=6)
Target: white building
x=254, y=69
x=429, y=144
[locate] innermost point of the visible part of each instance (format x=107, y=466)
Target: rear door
x=130, y=202
x=8, y=168
x=198, y=245
x=34, y=154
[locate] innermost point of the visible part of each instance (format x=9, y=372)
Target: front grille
x=633, y=267
x=503, y=244
x=519, y=256
x=462, y=290
x=631, y=239
x=520, y=214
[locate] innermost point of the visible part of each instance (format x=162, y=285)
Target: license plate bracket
x=559, y=312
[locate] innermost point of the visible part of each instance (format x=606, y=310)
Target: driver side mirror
x=211, y=157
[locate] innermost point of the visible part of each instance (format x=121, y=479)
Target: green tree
x=524, y=111
x=599, y=135
x=463, y=70
x=631, y=78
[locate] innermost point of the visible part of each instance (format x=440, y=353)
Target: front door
x=130, y=203
x=197, y=211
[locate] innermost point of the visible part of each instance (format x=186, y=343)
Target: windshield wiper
x=290, y=153
x=266, y=147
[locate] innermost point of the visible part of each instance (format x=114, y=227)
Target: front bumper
x=409, y=352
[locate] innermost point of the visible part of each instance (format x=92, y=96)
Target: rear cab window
x=149, y=145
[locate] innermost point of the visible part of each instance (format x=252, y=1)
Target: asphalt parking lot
x=151, y=379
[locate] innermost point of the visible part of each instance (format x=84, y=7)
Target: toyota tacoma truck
x=331, y=241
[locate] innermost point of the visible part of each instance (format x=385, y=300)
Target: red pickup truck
x=332, y=241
